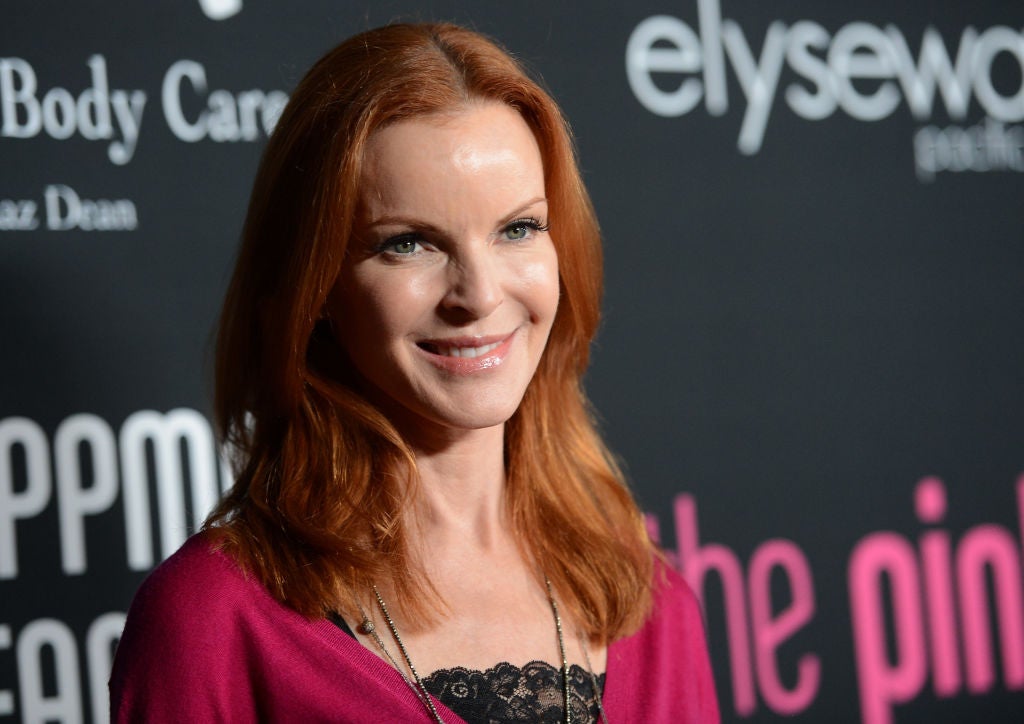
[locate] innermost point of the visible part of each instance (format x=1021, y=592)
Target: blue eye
x=400, y=245
x=516, y=232
x=405, y=246
x=523, y=229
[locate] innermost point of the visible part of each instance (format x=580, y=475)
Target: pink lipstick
x=467, y=355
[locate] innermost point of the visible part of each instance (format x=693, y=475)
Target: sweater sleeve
x=694, y=651
x=662, y=673
x=182, y=655
x=203, y=642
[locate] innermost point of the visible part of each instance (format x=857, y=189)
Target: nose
x=474, y=284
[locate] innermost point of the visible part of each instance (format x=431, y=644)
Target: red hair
x=322, y=475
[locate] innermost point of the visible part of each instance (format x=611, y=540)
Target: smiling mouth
x=470, y=352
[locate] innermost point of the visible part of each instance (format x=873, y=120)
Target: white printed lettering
x=992, y=42
x=643, y=58
x=35, y=488
x=987, y=146
x=74, y=500
x=717, y=96
x=176, y=447
x=18, y=91
x=65, y=704
x=18, y=215
x=165, y=433
x=822, y=103
x=65, y=210
x=864, y=70
x=60, y=115
x=758, y=80
x=99, y=645
x=128, y=111
x=227, y=117
x=934, y=70
x=861, y=51
x=6, y=695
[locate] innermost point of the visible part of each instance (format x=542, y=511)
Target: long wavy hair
x=322, y=476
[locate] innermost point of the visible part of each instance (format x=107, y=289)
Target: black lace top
x=506, y=693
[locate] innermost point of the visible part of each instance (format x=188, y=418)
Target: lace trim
x=505, y=693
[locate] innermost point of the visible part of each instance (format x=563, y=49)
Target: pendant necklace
x=367, y=627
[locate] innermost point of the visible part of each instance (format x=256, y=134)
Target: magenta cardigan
x=205, y=643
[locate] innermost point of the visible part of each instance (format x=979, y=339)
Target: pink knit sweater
x=204, y=643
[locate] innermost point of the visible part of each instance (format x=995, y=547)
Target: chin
x=477, y=420
x=472, y=415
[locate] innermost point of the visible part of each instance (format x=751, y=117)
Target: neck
x=461, y=491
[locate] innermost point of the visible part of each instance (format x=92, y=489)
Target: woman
x=425, y=524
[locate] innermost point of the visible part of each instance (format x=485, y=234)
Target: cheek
x=384, y=305
x=540, y=282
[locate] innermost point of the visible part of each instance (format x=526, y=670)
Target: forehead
x=427, y=159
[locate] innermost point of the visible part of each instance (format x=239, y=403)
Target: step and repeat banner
x=811, y=361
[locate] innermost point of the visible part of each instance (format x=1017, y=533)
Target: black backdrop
x=812, y=220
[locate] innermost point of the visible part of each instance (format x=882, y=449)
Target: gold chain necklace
x=367, y=627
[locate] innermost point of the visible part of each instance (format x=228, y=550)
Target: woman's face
x=451, y=283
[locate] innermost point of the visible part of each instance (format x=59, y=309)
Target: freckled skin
x=450, y=244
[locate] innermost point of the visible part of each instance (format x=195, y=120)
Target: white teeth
x=467, y=351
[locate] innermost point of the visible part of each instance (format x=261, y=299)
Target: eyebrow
x=399, y=220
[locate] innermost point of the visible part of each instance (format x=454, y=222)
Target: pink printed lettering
x=989, y=546
x=883, y=684
x=922, y=586
x=771, y=631
x=770, y=628
x=936, y=564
